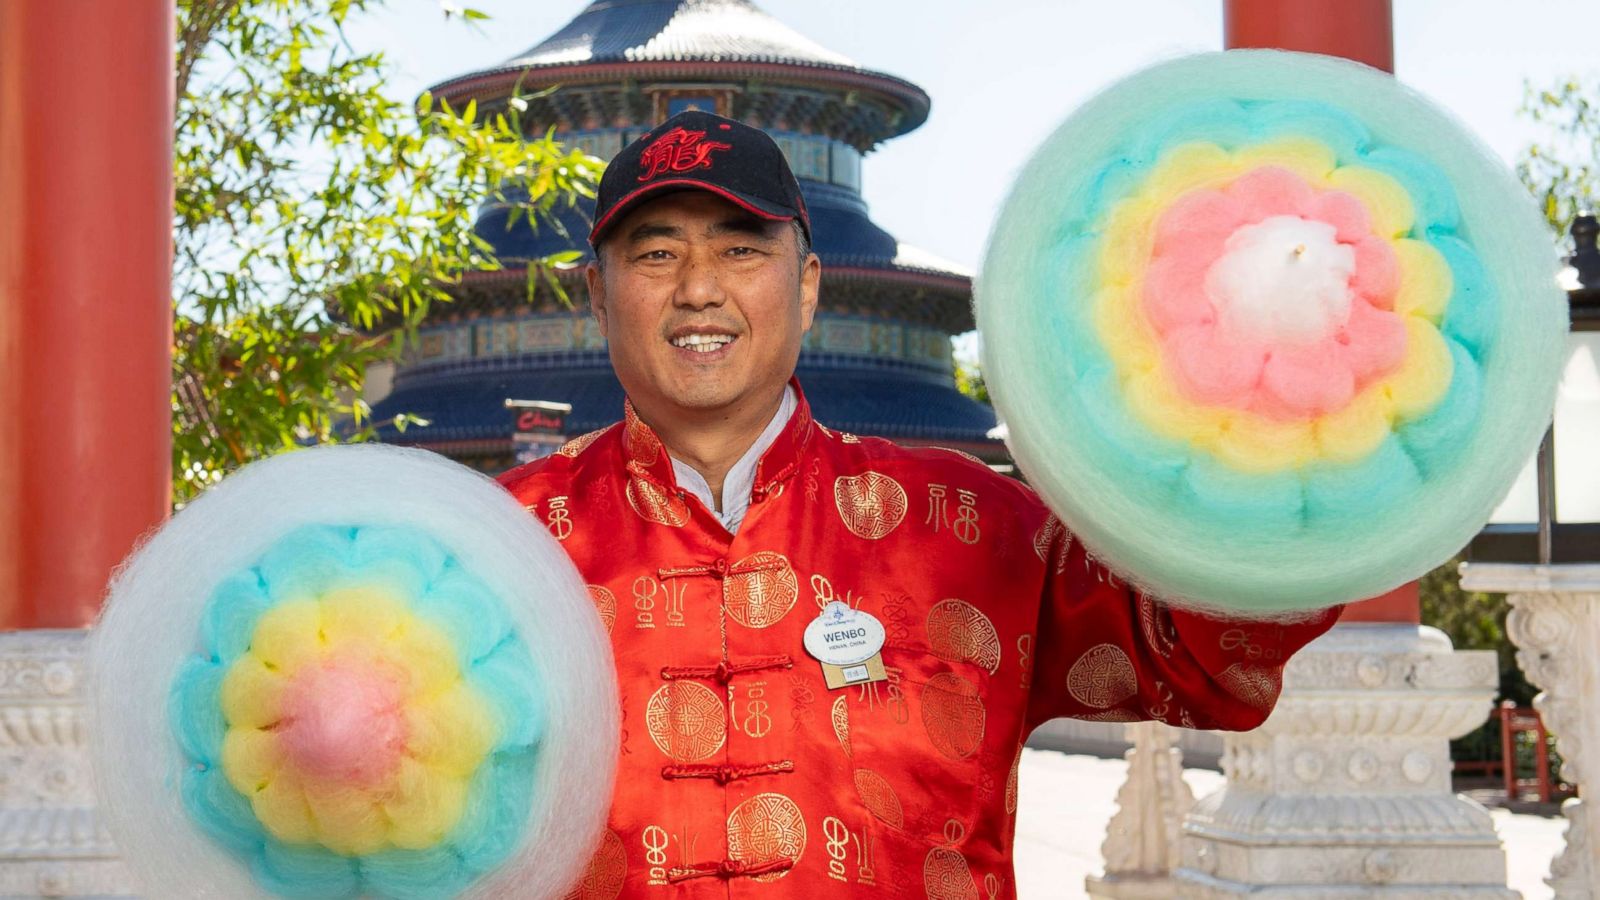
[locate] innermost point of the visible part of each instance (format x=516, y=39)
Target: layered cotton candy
x=353, y=671
x=1269, y=331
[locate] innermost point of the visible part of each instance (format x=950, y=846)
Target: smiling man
x=830, y=648
x=703, y=301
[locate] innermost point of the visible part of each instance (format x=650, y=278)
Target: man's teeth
x=703, y=343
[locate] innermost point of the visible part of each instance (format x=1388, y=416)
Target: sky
x=1004, y=73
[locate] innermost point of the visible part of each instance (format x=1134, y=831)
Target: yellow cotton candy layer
x=1243, y=440
x=451, y=728
x=1425, y=281
x=427, y=656
x=281, y=808
x=251, y=758
x=1312, y=160
x=251, y=693
x=1189, y=167
x=423, y=806
x=1388, y=205
x=1153, y=398
x=1348, y=435
x=286, y=637
x=1129, y=239
x=361, y=614
x=361, y=622
x=1260, y=446
x=1424, y=375
x=1124, y=331
x=348, y=822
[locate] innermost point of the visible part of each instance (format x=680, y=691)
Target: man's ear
x=596, y=281
x=810, y=286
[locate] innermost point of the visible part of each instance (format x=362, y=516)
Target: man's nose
x=699, y=286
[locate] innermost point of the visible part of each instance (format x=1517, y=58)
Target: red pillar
x=85, y=297
x=1362, y=30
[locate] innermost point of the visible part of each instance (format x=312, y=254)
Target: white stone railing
x=1141, y=849
x=1555, y=624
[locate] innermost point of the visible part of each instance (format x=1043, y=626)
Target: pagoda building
x=877, y=360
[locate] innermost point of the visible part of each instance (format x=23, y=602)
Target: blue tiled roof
x=472, y=406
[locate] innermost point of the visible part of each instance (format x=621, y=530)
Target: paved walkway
x=1065, y=802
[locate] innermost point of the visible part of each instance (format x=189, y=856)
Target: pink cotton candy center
x=1272, y=297
x=344, y=722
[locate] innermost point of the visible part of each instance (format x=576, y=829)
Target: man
x=726, y=537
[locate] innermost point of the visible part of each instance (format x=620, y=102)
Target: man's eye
x=742, y=251
x=656, y=255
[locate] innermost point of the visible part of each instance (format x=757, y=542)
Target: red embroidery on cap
x=679, y=150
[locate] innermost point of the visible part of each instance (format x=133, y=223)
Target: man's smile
x=704, y=343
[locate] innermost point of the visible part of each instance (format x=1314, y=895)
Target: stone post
x=1345, y=790
x=51, y=841
x=1141, y=847
x=1555, y=624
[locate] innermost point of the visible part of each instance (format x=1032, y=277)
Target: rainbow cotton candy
x=1269, y=331
x=356, y=671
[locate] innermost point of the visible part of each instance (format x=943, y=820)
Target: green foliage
x=969, y=381
x=1561, y=169
x=317, y=221
x=1474, y=621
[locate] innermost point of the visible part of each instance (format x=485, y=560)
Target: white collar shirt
x=741, y=478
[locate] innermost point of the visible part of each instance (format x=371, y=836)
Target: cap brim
x=620, y=209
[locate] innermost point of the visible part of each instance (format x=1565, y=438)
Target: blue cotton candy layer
x=1171, y=519
x=311, y=873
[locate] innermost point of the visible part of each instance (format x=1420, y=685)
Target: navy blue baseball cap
x=698, y=151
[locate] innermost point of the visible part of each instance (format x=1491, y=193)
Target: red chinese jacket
x=743, y=776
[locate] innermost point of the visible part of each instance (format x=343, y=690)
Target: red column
x=86, y=87
x=1362, y=30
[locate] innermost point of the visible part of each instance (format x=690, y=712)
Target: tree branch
x=194, y=34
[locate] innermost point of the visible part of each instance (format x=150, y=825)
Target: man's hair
x=801, y=244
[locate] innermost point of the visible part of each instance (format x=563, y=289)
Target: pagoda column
x=86, y=90
x=1345, y=789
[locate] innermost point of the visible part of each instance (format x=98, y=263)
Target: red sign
x=538, y=421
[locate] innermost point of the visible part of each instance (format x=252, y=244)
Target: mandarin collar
x=645, y=456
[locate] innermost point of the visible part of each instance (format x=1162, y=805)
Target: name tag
x=849, y=643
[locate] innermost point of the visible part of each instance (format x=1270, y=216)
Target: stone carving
x=1555, y=624
x=52, y=843
x=1345, y=789
x=1141, y=846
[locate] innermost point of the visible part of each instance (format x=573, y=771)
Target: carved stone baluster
x=51, y=841
x=1555, y=624
x=1141, y=846
x=1345, y=790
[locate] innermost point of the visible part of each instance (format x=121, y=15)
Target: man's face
x=702, y=303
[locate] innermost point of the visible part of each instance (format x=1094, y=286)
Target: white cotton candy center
x=1282, y=280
